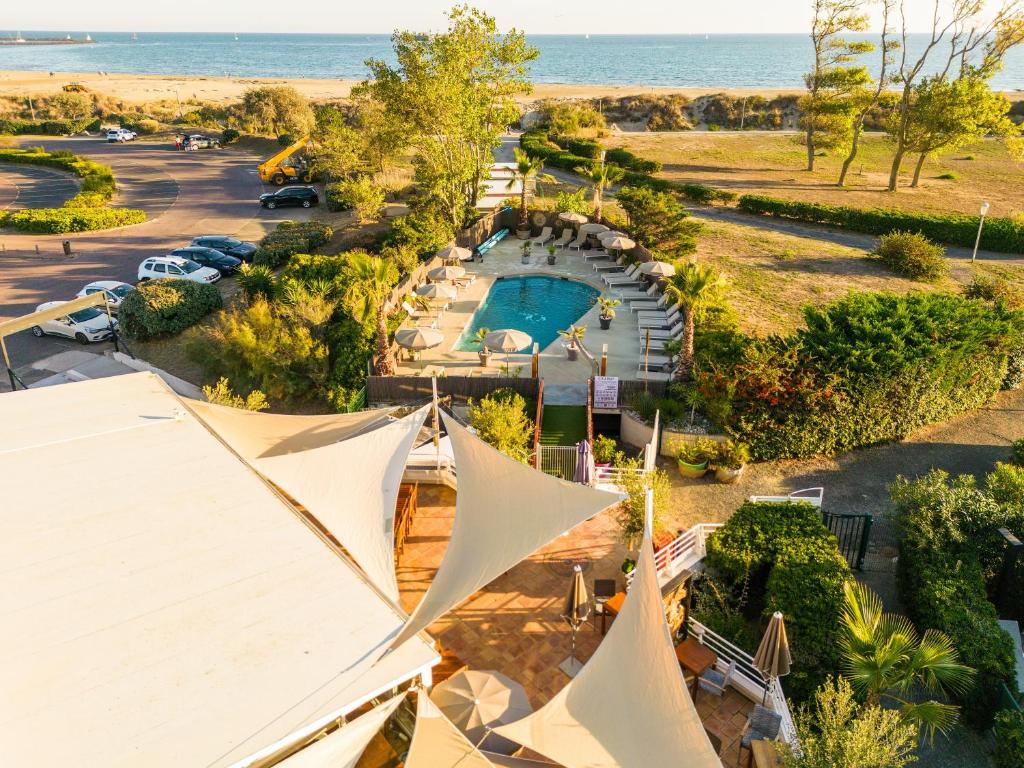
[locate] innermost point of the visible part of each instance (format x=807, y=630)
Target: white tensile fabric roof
x=504, y=512
x=344, y=747
x=351, y=488
x=628, y=707
x=260, y=435
x=163, y=605
x=436, y=743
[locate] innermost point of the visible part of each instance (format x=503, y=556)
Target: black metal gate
x=853, y=532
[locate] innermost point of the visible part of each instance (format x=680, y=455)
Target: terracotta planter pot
x=692, y=470
x=728, y=476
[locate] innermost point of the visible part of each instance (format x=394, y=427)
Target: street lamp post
x=981, y=223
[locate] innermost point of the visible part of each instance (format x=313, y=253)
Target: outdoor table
x=697, y=658
x=611, y=607
x=764, y=754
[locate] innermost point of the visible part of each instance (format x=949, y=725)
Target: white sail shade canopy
x=351, y=488
x=436, y=743
x=504, y=512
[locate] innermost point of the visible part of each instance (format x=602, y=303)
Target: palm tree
x=526, y=167
x=691, y=287
x=601, y=176
x=884, y=658
x=373, y=279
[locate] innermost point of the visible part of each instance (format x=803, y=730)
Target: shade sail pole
x=436, y=423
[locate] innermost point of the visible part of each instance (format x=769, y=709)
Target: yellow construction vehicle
x=74, y=88
x=290, y=164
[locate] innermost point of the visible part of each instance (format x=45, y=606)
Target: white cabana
x=163, y=605
x=628, y=707
x=259, y=435
x=436, y=743
x=344, y=747
x=504, y=512
x=351, y=488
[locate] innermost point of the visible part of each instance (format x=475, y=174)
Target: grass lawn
x=772, y=163
x=563, y=425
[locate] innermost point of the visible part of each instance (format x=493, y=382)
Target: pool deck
x=505, y=260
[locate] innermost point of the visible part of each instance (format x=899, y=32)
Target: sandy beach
x=144, y=88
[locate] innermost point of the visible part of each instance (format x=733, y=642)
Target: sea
x=697, y=60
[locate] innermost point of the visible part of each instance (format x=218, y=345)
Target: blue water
x=765, y=61
x=538, y=305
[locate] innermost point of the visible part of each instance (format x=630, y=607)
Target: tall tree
x=692, y=287
x=885, y=659
x=659, y=221
x=455, y=93
x=373, y=278
x=828, y=106
x=600, y=176
x=525, y=168
x=968, y=35
x=866, y=99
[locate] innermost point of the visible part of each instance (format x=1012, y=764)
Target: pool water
x=536, y=304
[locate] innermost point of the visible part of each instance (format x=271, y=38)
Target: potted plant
x=483, y=352
x=607, y=311
x=552, y=250
x=693, y=457
x=730, y=461
x=526, y=253
x=628, y=565
x=574, y=338
x=604, y=449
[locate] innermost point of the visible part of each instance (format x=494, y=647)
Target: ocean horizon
x=771, y=61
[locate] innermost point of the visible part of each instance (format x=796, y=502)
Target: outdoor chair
x=419, y=315
x=543, y=237
x=638, y=294
x=631, y=277
x=564, y=238
x=619, y=265
x=648, y=305
x=604, y=590
x=662, y=333
x=579, y=242
x=762, y=724
x=659, y=376
x=714, y=682
x=595, y=255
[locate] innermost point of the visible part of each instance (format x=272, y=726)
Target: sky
x=338, y=16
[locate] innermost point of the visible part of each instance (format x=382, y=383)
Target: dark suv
x=304, y=196
x=227, y=245
x=208, y=257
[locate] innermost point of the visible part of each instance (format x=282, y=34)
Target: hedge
x=165, y=307
x=794, y=566
x=62, y=220
x=290, y=238
x=999, y=234
x=1009, y=739
x=48, y=127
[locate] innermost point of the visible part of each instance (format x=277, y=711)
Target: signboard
x=606, y=392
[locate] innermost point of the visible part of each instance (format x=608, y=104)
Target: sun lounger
x=543, y=237
x=614, y=266
x=631, y=275
x=433, y=370
x=662, y=333
x=654, y=361
x=596, y=256
x=564, y=239
x=465, y=282
x=579, y=242
x=420, y=316
x=647, y=305
x=665, y=321
x=654, y=375
x=638, y=294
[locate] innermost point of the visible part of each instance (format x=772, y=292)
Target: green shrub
x=501, y=421
x=786, y=560
x=574, y=202
x=229, y=136
x=995, y=289
x=659, y=221
x=147, y=127
x=1003, y=235
x=257, y=280
x=949, y=176
x=166, y=307
x=285, y=140
x=423, y=233
x=290, y=238
x=62, y=220
x=360, y=195
x=912, y=255
x=1009, y=739
x=48, y=127
x=630, y=162
x=1017, y=456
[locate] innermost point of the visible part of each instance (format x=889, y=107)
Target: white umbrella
x=455, y=253
x=418, y=338
x=572, y=218
x=436, y=291
x=507, y=340
x=477, y=701
x=446, y=273
x=609, y=235
x=658, y=269
x=618, y=243
x=593, y=228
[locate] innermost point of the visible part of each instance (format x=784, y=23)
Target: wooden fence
x=627, y=387
x=382, y=390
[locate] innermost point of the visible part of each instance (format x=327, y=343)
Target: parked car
x=199, y=141
x=177, y=268
x=227, y=245
x=120, y=135
x=304, y=196
x=85, y=325
x=115, y=290
x=208, y=257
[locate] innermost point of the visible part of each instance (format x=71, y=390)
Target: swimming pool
x=535, y=304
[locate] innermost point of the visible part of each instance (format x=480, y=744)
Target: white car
x=177, y=268
x=120, y=135
x=114, y=289
x=85, y=325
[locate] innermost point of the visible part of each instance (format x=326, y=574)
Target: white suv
x=177, y=268
x=85, y=325
x=120, y=135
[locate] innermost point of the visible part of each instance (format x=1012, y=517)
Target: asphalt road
x=27, y=186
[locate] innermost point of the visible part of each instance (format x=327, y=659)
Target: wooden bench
x=486, y=245
x=405, y=509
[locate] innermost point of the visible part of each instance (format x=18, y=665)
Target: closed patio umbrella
x=446, y=273
x=772, y=658
x=572, y=218
x=477, y=701
x=658, y=269
x=584, y=463
x=455, y=253
x=617, y=243
x=507, y=340
x=436, y=291
x=575, y=612
x=593, y=228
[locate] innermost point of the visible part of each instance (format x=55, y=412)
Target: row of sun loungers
x=564, y=239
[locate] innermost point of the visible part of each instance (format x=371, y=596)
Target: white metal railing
x=682, y=553
x=812, y=496
x=559, y=460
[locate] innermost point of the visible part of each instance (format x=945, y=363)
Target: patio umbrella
x=436, y=291
x=418, y=338
x=617, y=243
x=446, y=273
x=455, y=253
x=576, y=611
x=610, y=234
x=593, y=228
x=658, y=269
x=507, y=340
x=584, y=463
x=572, y=218
x=772, y=658
x=477, y=701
